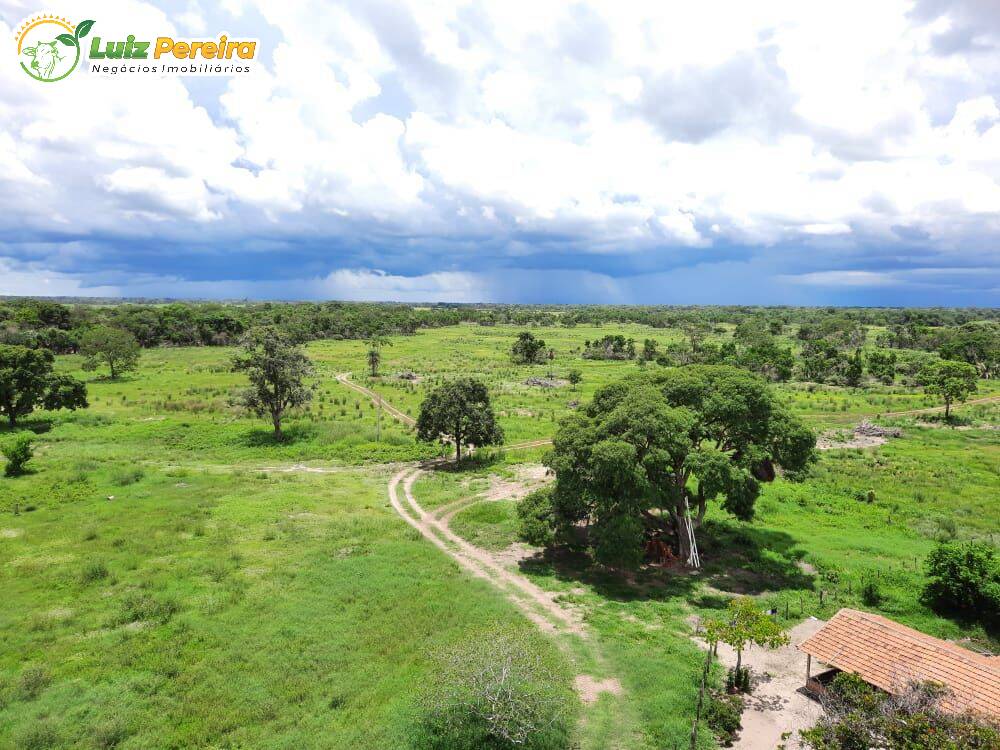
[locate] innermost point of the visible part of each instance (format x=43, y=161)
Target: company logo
x=48, y=47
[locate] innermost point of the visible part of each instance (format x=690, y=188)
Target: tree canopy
x=277, y=369
x=461, y=410
x=114, y=347
x=745, y=624
x=527, y=350
x=952, y=381
x=27, y=382
x=648, y=448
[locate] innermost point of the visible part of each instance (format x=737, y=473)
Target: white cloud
x=649, y=126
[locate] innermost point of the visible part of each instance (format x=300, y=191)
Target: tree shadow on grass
x=749, y=560
x=265, y=438
x=481, y=459
x=736, y=561
x=37, y=426
x=647, y=583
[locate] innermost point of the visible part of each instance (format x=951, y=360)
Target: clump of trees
x=977, y=344
x=755, y=347
x=113, y=347
x=952, y=381
x=501, y=691
x=528, y=350
x=858, y=717
x=27, y=382
x=277, y=370
x=610, y=347
x=963, y=579
x=881, y=365
x=649, y=454
x=459, y=410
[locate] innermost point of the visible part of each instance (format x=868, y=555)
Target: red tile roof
x=889, y=655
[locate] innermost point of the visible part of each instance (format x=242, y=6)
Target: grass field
x=228, y=597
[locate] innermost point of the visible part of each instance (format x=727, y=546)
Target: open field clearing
x=176, y=577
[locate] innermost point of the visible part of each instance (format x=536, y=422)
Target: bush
x=871, y=593
x=535, y=515
x=93, y=570
x=723, y=717
x=32, y=682
x=499, y=691
x=139, y=607
x=123, y=477
x=964, y=580
x=38, y=736
x=17, y=452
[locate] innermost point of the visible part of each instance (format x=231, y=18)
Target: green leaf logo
x=66, y=39
x=83, y=28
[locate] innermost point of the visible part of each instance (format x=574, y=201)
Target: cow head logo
x=48, y=47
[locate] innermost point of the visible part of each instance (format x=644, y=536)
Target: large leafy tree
x=650, y=450
x=116, y=348
x=952, y=381
x=277, y=369
x=27, y=382
x=527, y=350
x=462, y=411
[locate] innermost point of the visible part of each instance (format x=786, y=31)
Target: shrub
x=17, y=452
x=123, y=477
x=499, y=691
x=93, y=570
x=32, y=682
x=139, y=607
x=871, y=592
x=38, y=736
x=110, y=734
x=964, y=580
x=723, y=717
x=535, y=515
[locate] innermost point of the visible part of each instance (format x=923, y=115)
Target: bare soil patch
x=589, y=689
x=778, y=703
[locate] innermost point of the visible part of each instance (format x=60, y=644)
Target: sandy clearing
x=777, y=704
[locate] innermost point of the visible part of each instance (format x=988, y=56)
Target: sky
x=665, y=152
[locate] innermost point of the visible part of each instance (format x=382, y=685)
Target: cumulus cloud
x=464, y=146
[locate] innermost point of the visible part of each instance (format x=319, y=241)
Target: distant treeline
x=58, y=325
x=55, y=326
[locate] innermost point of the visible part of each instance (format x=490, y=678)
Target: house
x=888, y=656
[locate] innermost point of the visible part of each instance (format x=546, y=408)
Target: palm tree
x=375, y=343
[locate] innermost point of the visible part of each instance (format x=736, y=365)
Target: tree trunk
x=739, y=660
x=683, y=542
x=276, y=420
x=12, y=418
x=947, y=409
x=112, y=366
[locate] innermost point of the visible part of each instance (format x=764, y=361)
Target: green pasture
x=173, y=577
